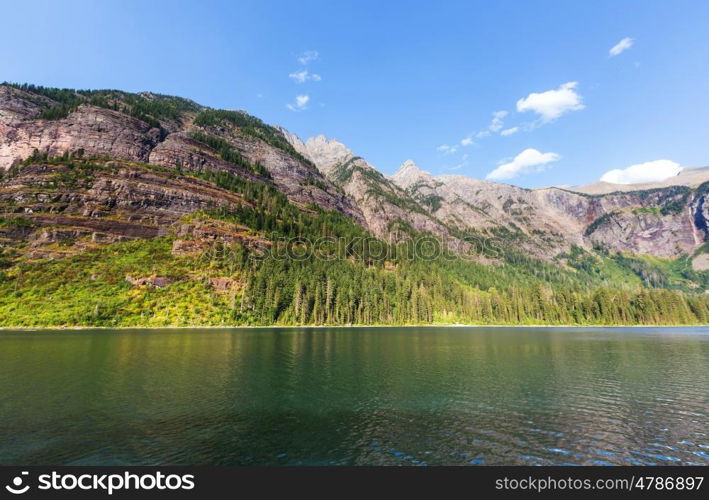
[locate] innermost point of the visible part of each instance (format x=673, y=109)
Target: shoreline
x=256, y=327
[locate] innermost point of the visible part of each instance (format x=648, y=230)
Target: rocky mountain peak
x=409, y=174
x=294, y=141
x=327, y=153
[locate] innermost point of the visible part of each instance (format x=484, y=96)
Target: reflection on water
x=360, y=396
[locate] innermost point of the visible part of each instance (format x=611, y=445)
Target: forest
x=351, y=278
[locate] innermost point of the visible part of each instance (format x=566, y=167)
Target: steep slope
x=326, y=154
x=161, y=130
x=58, y=207
x=389, y=212
x=98, y=131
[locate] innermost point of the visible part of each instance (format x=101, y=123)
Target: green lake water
x=355, y=396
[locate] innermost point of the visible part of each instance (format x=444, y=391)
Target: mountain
x=144, y=209
x=690, y=177
x=159, y=130
x=389, y=212
x=665, y=221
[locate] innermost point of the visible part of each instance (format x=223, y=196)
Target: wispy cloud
x=308, y=56
x=651, y=171
x=551, y=104
x=497, y=123
x=495, y=126
x=621, y=46
x=301, y=103
x=303, y=76
x=528, y=161
x=509, y=131
x=445, y=148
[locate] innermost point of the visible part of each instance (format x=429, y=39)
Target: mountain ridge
x=470, y=203
x=691, y=177
x=137, y=202
x=546, y=222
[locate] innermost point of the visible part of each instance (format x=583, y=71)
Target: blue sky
x=401, y=80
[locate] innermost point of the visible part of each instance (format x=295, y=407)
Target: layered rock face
x=179, y=149
x=103, y=202
x=98, y=131
x=16, y=104
x=114, y=133
x=302, y=182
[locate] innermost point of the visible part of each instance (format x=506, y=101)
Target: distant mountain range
x=87, y=171
x=690, y=177
x=666, y=219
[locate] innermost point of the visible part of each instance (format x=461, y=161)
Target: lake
x=355, y=396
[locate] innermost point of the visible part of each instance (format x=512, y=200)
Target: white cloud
x=301, y=103
x=303, y=76
x=651, y=171
x=529, y=160
x=445, y=148
x=621, y=46
x=551, y=104
x=307, y=56
x=509, y=131
x=495, y=126
x=497, y=123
